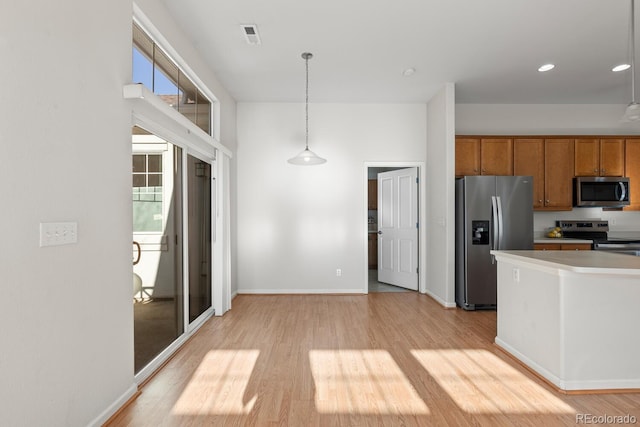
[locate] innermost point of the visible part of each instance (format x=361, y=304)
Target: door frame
x=422, y=219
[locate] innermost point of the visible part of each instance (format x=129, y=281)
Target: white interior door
x=398, y=228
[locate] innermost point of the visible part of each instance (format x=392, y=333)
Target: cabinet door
x=632, y=170
x=611, y=157
x=558, y=173
x=546, y=246
x=587, y=157
x=467, y=156
x=528, y=159
x=575, y=247
x=372, y=194
x=496, y=156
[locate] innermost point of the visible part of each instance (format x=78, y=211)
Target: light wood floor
x=382, y=359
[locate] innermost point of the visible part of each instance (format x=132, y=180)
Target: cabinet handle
x=548, y=201
x=604, y=170
x=540, y=201
x=595, y=170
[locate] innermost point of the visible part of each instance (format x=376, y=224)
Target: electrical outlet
x=338, y=272
x=516, y=275
x=58, y=233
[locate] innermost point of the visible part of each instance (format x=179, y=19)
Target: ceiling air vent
x=250, y=32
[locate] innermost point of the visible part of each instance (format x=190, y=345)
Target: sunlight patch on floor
x=481, y=383
x=362, y=382
x=218, y=384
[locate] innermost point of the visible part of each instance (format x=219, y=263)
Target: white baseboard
x=440, y=300
x=563, y=384
x=552, y=378
x=301, y=291
x=114, y=407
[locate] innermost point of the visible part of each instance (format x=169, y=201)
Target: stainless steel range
x=598, y=232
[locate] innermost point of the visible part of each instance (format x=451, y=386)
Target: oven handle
x=616, y=246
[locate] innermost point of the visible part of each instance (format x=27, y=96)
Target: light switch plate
x=58, y=233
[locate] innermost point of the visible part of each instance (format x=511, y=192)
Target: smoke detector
x=251, y=35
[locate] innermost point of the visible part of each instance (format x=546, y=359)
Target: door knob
x=380, y=232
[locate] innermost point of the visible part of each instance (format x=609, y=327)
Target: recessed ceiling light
x=546, y=67
x=408, y=72
x=621, y=67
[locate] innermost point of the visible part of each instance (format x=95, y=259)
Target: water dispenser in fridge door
x=480, y=232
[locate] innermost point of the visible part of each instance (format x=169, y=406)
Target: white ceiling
x=490, y=49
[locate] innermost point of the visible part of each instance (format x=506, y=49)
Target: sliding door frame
x=146, y=116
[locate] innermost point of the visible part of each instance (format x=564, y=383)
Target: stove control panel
x=583, y=225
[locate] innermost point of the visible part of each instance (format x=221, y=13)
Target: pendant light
x=307, y=157
x=632, y=113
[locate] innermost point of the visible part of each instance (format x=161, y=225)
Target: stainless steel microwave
x=601, y=191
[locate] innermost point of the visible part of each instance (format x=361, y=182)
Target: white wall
x=67, y=335
x=440, y=196
x=66, y=311
x=507, y=119
x=297, y=224
x=542, y=119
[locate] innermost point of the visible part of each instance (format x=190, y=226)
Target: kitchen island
x=572, y=316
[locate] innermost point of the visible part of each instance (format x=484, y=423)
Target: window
x=147, y=193
x=159, y=73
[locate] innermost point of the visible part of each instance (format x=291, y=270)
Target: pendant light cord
x=306, y=102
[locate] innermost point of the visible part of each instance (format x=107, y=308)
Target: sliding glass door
x=199, y=225
x=172, y=275
x=158, y=295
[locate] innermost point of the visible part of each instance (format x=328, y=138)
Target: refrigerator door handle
x=500, y=223
x=494, y=227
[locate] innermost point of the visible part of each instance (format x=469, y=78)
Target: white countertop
x=577, y=261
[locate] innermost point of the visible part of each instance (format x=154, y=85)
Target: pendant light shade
x=632, y=113
x=307, y=157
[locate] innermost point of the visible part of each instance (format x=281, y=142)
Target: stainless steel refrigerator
x=492, y=212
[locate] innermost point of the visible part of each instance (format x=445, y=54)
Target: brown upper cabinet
x=496, y=156
x=484, y=156
x=528, y=159
x=599, y=157
x=553, y=161
x=632, y=170
x=558, y=173
x=467, y=156
x=550, y=163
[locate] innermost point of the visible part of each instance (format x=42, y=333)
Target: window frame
x=140, y=19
